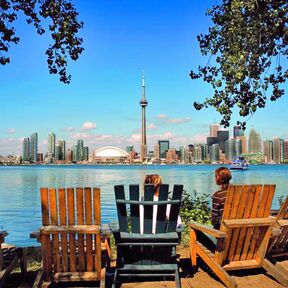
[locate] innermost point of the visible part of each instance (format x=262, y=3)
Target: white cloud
x=11, y=131
x=68, y=129
x=178, y=120
x=87, y=126
x=151, y=127
x=80, y=135
x=161, y=116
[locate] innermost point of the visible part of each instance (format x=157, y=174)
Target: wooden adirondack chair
x=243, y=236
x=278, y=246
x=148, y=254
x=70, y=236
x=9, y=255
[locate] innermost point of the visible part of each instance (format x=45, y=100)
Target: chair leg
x=278, y=274
x=23, y=261
x=114, y=284
x=177, y=279
x=193, y=243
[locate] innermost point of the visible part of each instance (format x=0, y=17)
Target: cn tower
x=143, y=104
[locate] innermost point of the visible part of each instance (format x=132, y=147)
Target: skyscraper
x=143, y=104
x=237, y=131
x=230, y=150
x=278, y=150
x=51, y=144
x=213, y=130
x=34, y=147
x=214, y=153
x=62, y=145
x=163, y=148
x=268, y=150
x=254, y=143
x=26, y=149
x=222, y=136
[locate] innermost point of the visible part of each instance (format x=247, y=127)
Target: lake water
x=20, y=211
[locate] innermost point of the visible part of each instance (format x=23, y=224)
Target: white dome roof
x=110, y=151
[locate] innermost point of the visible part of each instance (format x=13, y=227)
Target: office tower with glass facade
x=85, y=153
x=238, y=146
x=213, y=130
x=222, y=137
x=211, y=141
x=254, y=142
x=244, y=143
x=214, y=153
x=57, y=153
x=268, y=151
x=285, y=152
x=156, y=152
x=34, y=147
x=62, y=145
x=163, y=148
x=237, y=131
x=277, y=150
x=51, y=144
x=26, y=149
x=230, y=150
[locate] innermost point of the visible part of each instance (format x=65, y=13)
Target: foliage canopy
x=64, y=28
x=249, y=41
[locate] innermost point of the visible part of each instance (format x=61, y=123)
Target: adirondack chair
x=278, y=246
x=70, y=236
x=146, y=255
x=243, y=235
x=9, y=255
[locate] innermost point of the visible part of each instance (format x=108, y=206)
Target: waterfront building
x=254, y=157
x=69, y=156
x=213, y=130
x=85, y=153
x=212, y=140
x=205, y=151
x=278, y=150
x=62, y=145
x=285, y=151
x=26, y=150
x=222, y=137
x=33, y=147
x=237, y=131
x=214, y=153
x=57, y=153
x=129, y=149
x=244, y=143
x=143, y=104
x=40, y=157
x=163, y=148
x=198, y=153
x=184, y=155
x=254, y=142
x=268, y=151
x=171, y=155
x=230, y=150
x=110, y=155
x=79, y=150
x=156, y=152
x=51, y=144
x=74, y=149
x=238, y=146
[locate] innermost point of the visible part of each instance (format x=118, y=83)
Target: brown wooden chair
x=243, y=236
x=9, y=256
x=70, y=236
x=278, y=245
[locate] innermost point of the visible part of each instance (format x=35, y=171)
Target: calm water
x=20, y=211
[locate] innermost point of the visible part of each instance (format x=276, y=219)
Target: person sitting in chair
x=222, y=178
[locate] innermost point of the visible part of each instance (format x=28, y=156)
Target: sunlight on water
x=20, y=211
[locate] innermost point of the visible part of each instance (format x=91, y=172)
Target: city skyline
x=101, y=106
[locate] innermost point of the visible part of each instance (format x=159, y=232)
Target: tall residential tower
x=143, y=104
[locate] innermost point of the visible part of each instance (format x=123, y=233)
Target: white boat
x=239, y=163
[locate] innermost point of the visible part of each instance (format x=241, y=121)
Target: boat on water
x=239, y=163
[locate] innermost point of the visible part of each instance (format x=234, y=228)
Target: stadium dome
x=110, y=154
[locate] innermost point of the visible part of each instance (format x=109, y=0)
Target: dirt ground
x=201, y=277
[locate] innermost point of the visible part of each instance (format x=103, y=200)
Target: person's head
x=154, y=179
x=222, y=177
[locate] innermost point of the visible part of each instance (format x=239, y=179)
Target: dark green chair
x=146, y=255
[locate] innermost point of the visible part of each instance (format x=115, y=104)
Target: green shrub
x=194, y=208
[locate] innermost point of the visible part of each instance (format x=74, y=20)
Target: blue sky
x=101, y=105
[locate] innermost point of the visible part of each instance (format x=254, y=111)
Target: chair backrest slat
x=148, y=209
x=134, y=209
x=71, y=221
x=175, y=208
x=244, y=202
x=121, y=208
x=88, y=221
x=161, y=211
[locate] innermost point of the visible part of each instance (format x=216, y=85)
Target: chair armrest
x=114, y=227
x=3, y=234
x=35, y=235
x=180, y=228
x=208, y=230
